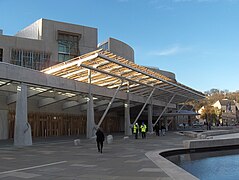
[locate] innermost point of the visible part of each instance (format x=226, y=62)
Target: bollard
x=126, y=137
x=77, y=142
x=109, y=139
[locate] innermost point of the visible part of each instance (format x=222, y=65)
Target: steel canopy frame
x=110, y=69
x=163, y=110
x=145, y=86
x=146, y=102
x=109, y=105
x=147, y=74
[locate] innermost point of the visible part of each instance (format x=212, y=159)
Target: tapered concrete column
x=22, y=133
x=90, y=129
x=127, y=128
x=150, y=118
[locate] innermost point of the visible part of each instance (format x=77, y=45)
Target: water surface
x=217, y=165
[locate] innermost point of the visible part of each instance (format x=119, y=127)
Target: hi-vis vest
x=135, y=128
x=143, y=128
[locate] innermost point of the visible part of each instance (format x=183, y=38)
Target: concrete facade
x=119, y=48
x=165, y=73
x=42, y=36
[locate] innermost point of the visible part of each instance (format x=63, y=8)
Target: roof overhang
x=109, y=70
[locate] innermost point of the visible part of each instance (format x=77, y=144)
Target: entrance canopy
x=111, y=71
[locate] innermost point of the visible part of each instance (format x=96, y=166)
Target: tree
x=214, y=95
x=210, y=113
x=214, y=91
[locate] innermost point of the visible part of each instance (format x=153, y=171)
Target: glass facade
x=68, y=46
x=1, y=55
x=30, y=59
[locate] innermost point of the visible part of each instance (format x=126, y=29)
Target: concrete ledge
x=172, y=170
x=205, y=134
x=206, y=143
x=190, y=134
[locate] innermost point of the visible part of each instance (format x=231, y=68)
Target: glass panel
x=30, y=59
x=68, y=46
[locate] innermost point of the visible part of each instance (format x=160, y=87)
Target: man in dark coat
x=157, y=129
x=100, y=137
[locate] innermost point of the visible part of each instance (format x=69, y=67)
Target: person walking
x=100, y=137
x=163, y=130
x=157, y=129
x=143, y=128
x=136, y=130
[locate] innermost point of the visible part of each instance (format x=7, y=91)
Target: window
x=1, y=54
x=30, y=59
x=68, y=46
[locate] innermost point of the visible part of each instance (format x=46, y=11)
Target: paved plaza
x=59, y=158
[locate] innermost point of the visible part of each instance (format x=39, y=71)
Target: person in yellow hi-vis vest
x=136, y=130
x=143, y=128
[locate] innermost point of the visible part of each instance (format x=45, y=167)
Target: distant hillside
x=213, y=95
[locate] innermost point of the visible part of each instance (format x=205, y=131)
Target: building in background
x=229, y=110
x=118, y=47
x=45, y=43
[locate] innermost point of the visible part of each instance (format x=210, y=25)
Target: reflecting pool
x=216, y=165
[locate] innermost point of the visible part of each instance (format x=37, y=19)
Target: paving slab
x=57, y=158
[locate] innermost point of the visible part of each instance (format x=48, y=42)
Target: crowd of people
x=159, y=130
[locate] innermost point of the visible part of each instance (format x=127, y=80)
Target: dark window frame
x=1, y=54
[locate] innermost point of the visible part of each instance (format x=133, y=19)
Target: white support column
x=144, y=106
x=164, y=109
x=109, y=105
x=22, y=132
x=150, y=117
x=90, y=129
x=127, y=129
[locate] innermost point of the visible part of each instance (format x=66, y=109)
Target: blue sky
x=198, y=40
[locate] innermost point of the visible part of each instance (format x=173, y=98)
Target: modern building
x=94, y=88
x=119, y=48
x=45, y=43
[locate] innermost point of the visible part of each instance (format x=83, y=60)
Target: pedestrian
x=163, y=130
x=143, y=128
x=157, y=129
x=100, y=137
x=136, y=130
